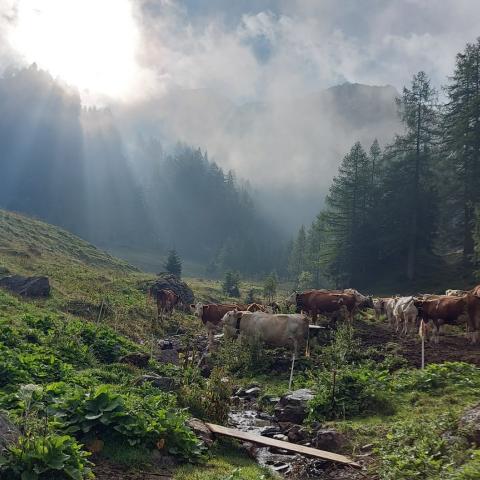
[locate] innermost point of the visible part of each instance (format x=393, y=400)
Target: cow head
x=197, y=309
x=231, y=317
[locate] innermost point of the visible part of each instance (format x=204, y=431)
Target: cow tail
x=307, y=347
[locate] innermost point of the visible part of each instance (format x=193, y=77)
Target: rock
x=240, y=392
x=280, y=436
x=166, y=384
x=201, y=431
x=270, y=431
x=297, y=434
x=9, y=433
x=136, y=358
x=328, y=439
x=253, y=392
x=166, y=281
x=293, y=408
x=470, y=424
x=168, y=356
x=271, y=400
x=34, y=287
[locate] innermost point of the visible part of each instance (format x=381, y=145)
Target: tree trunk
x=412, y=244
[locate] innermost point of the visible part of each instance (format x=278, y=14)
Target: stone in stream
x=253, y=392
x=293, y=407
x=201, y=431
x=328, y=439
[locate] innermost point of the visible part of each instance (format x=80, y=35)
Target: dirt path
x=450, y=348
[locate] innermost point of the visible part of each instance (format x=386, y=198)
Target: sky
x=240, y=78
x=245, y=49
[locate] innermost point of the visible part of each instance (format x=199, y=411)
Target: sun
x=90, y=44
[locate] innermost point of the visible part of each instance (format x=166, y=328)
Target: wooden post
x=423, y=352
x=291, y=372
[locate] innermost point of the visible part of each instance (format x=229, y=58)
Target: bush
x=435, y=377
x=419, y=448
x=104, y=414
x=349, y=393
x=245, y=355
x=50, y=457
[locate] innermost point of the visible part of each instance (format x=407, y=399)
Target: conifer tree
x=173, y=264
x=461, y=132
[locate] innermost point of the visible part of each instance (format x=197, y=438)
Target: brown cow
x=166, y=300
x=449, y=310
x=316, y=302
x=211, y=316
x=256, y=307
x=475, y=291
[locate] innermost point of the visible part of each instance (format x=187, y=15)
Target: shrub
x=419, y=448
x=100, y=413
x=244, y=355
x=351, y=392
x=50, y=457
x=435, y=377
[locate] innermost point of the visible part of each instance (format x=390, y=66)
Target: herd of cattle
x=405, y=314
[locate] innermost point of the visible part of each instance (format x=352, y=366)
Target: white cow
x=389, y=309
x=405, y=311
x=279, y=330
x=379, y=307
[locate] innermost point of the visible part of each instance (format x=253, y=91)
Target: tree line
x=411, y=208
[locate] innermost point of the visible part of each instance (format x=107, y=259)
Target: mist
x=274, y=93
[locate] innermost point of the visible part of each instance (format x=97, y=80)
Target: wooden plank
x=271, y=442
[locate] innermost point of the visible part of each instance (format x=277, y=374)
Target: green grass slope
x=57, y=353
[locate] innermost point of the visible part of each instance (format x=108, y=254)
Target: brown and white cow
x=277, y=330
x=379, y=307
x=211, y=316
x=256, y=307
x=449, y=310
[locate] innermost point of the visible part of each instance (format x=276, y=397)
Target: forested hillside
x=68, y=165
x=408, y=211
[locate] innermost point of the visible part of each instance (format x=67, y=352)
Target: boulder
x=297, y=434
x=201, y=431
x=9, y=433
x=136, y=358
x=168, y=356
x=34, y=287
x=293, y=408
x=470, y=424
x=166, y=281
x=328, y=439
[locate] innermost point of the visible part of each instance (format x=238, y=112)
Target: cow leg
x=474, y=337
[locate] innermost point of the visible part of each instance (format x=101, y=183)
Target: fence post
x=291, y=372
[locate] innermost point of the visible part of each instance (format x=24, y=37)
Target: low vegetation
x=77, y=405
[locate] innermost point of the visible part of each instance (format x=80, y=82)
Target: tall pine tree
x=462, y=142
